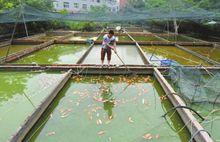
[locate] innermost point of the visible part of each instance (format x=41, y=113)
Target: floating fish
x=147, y=136
x=130, y=120
x=50, y=133
x=101, y=132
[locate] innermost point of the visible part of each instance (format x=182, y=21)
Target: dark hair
x=111, y=32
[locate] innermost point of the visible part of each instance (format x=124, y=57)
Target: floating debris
x=101, y=133
x=50, y=133
x=147, y=136
x=130, y=120
x=65, y=112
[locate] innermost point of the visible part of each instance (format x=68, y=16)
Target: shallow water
x=13, y=49
x=128, y=54
x=82, y=38
x=210, y=52
x=14, y=105
x=171, y=52
x=46, y=37
x=119, y=109
x=56, y=54
x=119, y=38
x=177, y=38
x=146, y=38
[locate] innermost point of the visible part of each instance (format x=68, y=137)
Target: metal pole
x=25, y=26
x=12, y=36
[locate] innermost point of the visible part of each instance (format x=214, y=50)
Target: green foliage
x=99, y=10
x=83, y=26
x=40, y=4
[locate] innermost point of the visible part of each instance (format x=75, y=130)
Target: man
x=108, y=44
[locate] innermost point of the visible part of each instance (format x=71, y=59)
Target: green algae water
x=177, y=38
x=171, y=52
x=45, y=37
x=82, y=38
x=128, y=53
x=13, y=49
x=120, y=38
x=118, y=109
x=14, y=105
x=55, y=54
x=146, y=38
x=210, y=52
x=124, y=38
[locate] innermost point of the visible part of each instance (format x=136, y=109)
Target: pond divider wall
x=93, y=69
x=190, y=121
x=31, y=120
x=28, y=51
x=80, y=61
x=6, y=43
x=140, y=51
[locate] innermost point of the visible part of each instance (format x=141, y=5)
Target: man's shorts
x=105, y=51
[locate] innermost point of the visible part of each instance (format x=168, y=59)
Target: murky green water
x=210, y=52
x=82, y=38
x=13, y=49
x=128, y=53
x=171, y=52
x=119, y=38
x=14, y=105
x=146, y=38
x=46, y=37
x=55, y=54
x=119, y=109
x=177, y=38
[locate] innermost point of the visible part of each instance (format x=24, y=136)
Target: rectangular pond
x=119, y=38
x=20, y=94
x=55, y=54
x=210, y=52
x=13, y=49
x=45, y=37
x=128, y=53
x=146, y=38
x=105, y=108
x=82, y=38
x=173, y=53
x=177, y=38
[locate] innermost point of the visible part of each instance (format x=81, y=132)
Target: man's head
x=111, y=33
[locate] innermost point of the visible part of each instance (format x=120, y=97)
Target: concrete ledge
x=31, y=120
x=80, y=61
x=140, y=51
x=96, y=69
x=26, y=52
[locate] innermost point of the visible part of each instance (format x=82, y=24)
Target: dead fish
x=101, y=132
x=50, y=133
x=157, y=136
x=130, y=120
x=147, y=136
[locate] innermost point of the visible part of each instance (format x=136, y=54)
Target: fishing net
x=195, y=86
x=173, y=10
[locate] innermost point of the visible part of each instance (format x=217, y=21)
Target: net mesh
x=130, y=13
x=195, y=86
